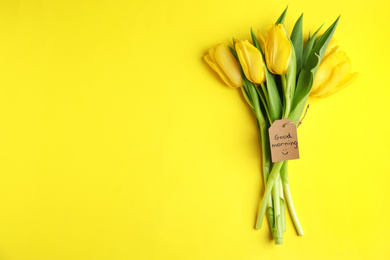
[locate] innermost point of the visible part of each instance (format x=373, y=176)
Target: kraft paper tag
x=283, y=140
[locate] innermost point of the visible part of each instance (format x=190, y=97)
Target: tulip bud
x=333, y=74
x=225, y=64
x=251, y=62
x=277, y=49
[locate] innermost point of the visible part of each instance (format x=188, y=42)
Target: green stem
x=255, y=101
x=290, y=204
x=247, y=99
x=263, y=100
x=291, y=208
x=277, y=225
x=270, y=183
x=283, y=210
x=265, y=93
x=278, y=229
x=287, y=97
x=265, y=149
x=263, y=130
x=266, y=164
x=282, y=204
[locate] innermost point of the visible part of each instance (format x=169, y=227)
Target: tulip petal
x=251, y=62
x=277, y=49
x=332, y=44
x=331, y=52
x=220, y=72
x=350, y=78
x=243, y=57
x=211, y=54
x=338, y=73
x=228, y=64
x=332, y=70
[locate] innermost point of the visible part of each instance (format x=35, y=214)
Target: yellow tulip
x=334, y=72
x=277, y=49
x=225, y=64
x=251, y=61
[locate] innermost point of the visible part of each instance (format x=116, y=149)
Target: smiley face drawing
x=284, y=152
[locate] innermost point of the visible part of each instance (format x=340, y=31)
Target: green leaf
x=262, y=97
x=305, y=80
x=233, y=51
x=263, y=101
x=299, y=104
x=311, y=63
x=282, y=16
x=320, y=46
x=256, y=43
x=291, y=75
x=297, y=40
x=254, y=96
x=304, y=85
x=273, y=96
x=246, y=87
x=309, y=46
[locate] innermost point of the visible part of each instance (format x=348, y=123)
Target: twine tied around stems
x=298, y=121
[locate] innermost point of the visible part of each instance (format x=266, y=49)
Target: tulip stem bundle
x=276, y=78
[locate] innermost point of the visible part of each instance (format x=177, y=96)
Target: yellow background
x=119, y=142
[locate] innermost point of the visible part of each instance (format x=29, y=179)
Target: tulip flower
x=334, y=72
x=277, y=49
x=225, y=64
x=251, y=62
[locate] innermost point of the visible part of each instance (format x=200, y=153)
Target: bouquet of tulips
x=276, y=75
